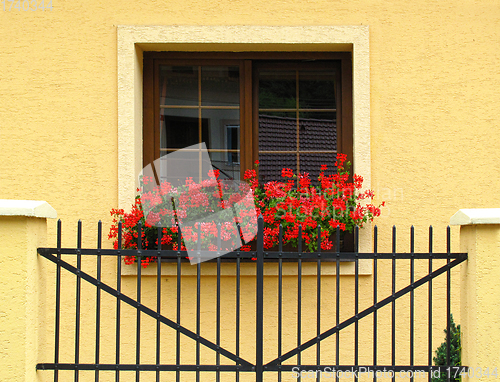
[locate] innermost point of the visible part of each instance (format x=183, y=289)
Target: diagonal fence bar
x=367, y=311
x=144, y=309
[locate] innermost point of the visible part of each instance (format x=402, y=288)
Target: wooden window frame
x=248, y=96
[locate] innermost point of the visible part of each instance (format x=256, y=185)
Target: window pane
x=178, y=85
x=220, y=86
x=317, y=89
x=311, y=163
x=270, y=165
x=277, y=131
x=277, y=90
x=227, y=163
x=218, y=121
x=180, y=128
x=318, y=134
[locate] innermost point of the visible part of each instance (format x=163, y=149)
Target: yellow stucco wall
x=433, y=106
x=433, y=98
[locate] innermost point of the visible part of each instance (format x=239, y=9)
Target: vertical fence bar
x=138, y=323
x=158, y=304
x=78, y=300
x=217, y=335
x=356, y=298
x=58, y=302
x=238, y=303
x=393, y=322
x=118, y=301
x=337, y=302
x=430, y=304
x=198, y=307
x=299, y=299
x=178, y=314
x=375, y=249
x=280, y=300
x=260, y=302
x=98, y=301
x=448, y=301
x=412, y=298
x=318, y=302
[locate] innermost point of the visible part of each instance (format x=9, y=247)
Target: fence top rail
x=172, y=254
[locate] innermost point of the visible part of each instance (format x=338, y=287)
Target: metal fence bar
x=98, y=301
x=158, y=303
x=375, y=311
x=138, y=322
x=78, y=300
x=430, y=305
x=299, y=298
x=118, y=301
x=448, y=303
x=238, y=304
x=269, y=255
x=217, y=339
x=412, y=299
x=178, y=312
x=280, y=300
x=198, y=319
x=58, y=302
x=356, y=298
x=337, y=302
x=318, y=300
x=259, y=338
x=393, y=320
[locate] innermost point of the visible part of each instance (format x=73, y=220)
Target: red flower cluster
x=335, y=203
x=193, y=202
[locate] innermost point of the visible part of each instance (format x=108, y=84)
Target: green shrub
x=455, y=353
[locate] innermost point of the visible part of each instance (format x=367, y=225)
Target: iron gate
x=281, y=362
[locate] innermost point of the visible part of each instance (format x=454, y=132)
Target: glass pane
x=318, y=133
x=277, y=90
x=317, y=89
x=219, y=121
x=180, y=166
x=277, y=132
x=180, y=128
x=227, y=163
x=270, y=166
x=220, y=86
x=178, y=85
x=311, y=163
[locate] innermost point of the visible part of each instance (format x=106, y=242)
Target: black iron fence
x=386, y=347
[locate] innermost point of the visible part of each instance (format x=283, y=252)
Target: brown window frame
x=248, y=63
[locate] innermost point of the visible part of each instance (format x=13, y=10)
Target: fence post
x=23, y=228
x=259, y=314
x=480, y=289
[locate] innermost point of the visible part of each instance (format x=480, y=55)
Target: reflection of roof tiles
x=280, y=133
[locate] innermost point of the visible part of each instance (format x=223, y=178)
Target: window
x=289, y=110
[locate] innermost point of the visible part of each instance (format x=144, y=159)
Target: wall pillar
x=23, y=228
x=480, y=288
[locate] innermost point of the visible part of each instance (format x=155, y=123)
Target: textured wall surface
x=434, y=97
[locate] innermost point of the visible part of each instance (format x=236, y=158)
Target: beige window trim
x=134, y=40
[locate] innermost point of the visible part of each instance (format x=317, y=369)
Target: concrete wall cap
x=32, y=208
x=476, y=216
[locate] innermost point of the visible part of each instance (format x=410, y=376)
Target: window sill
x=289, y=268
